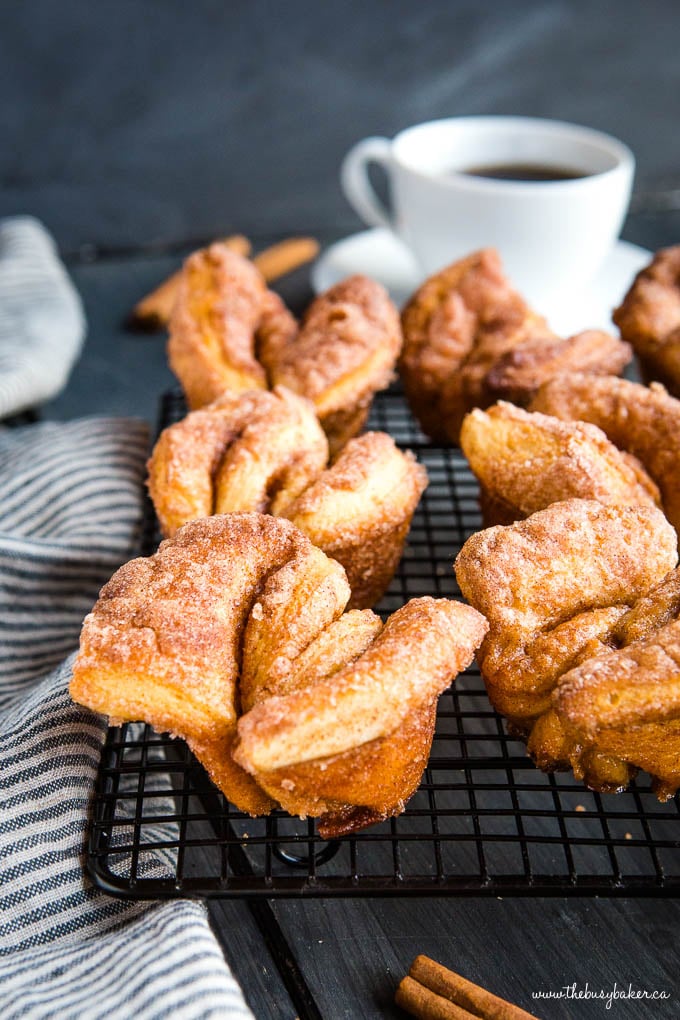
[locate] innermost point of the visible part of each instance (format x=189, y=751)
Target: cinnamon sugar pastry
x=470, y=339
x=524, y=461
x=620, y=709
x=642, y=421
x=229, y=332
x=233, y=636
x=352, y=746
x=250, y=451
x=360, y=509
x=266, y=451
x=346, y=350
x=577, y=655
x=649, y=318
x=214, y=324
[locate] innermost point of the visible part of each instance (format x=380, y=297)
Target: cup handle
x=356, y=184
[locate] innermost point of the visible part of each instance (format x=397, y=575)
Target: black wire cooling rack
x=485, y=821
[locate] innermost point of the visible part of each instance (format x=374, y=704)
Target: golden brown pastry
x=242, y=614
x=518, y=373
x=469, y=338
x=524, y=461
x=359, y=511
x=557, y=590
x=249, y=451
x=346, y=350
x=644, y=421
x=266, y=451
x=229, y=333
x=164, y=642
x=214, y=324
x=649, y=318
x=552, y=575
x=352, y=746
x=620, y=710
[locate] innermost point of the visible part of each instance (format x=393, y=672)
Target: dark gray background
x=156, y=121
x=141, y=120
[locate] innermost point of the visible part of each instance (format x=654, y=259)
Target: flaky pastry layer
x=229, y=333
x=563, y=590
x=649, y=318
x=642, y=420
x=526, y=461
x=266, y=451
x=240, y=618
x=469, y=338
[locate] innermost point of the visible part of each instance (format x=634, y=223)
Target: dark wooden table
x=343, y=958
x=125, y=123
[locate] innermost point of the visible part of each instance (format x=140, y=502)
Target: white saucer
x=378, y=253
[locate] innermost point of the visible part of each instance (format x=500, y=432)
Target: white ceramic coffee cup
x=552, y=235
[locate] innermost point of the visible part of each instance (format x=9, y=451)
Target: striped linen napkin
x=70, y=511
x=42, y=325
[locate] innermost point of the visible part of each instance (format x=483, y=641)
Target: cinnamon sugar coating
x=346, y=350
x=469, y=338
x=643, y=421
x=518, y=373
x=649, y=318
x=266, y=451
x=230, y=333
x=249, y=451
x=213, y=327
x=623, y=705
x=359, y=511
x=240, y=617
x=563, y=590
x=351, y=747
x=524, y=461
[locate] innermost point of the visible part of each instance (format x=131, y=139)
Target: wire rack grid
x=484, y=821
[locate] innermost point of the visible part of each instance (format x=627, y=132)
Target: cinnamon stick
x=420, y=1002
x=446, y=987
x=286, y=256
x=153, y=311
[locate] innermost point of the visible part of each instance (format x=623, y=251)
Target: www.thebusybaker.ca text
x=608, y=996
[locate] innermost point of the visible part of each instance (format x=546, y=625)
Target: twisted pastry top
x=557, y=589
x=369, y=485
x=408, y=663
x=644, y=672
x=229, y=332
x=240, y=616
x=348, y=343
x=527, y=460
x=573, y=557
x=469, y=338
x=644, y=421
x=177, y=620
x=620, y=709
x=266, y=451
x=214, y=325
x=252, y=451
x=649, y=317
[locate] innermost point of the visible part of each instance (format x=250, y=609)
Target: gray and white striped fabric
x=70, y=508
x=41, y=317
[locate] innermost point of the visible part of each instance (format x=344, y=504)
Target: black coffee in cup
x=523, y=172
